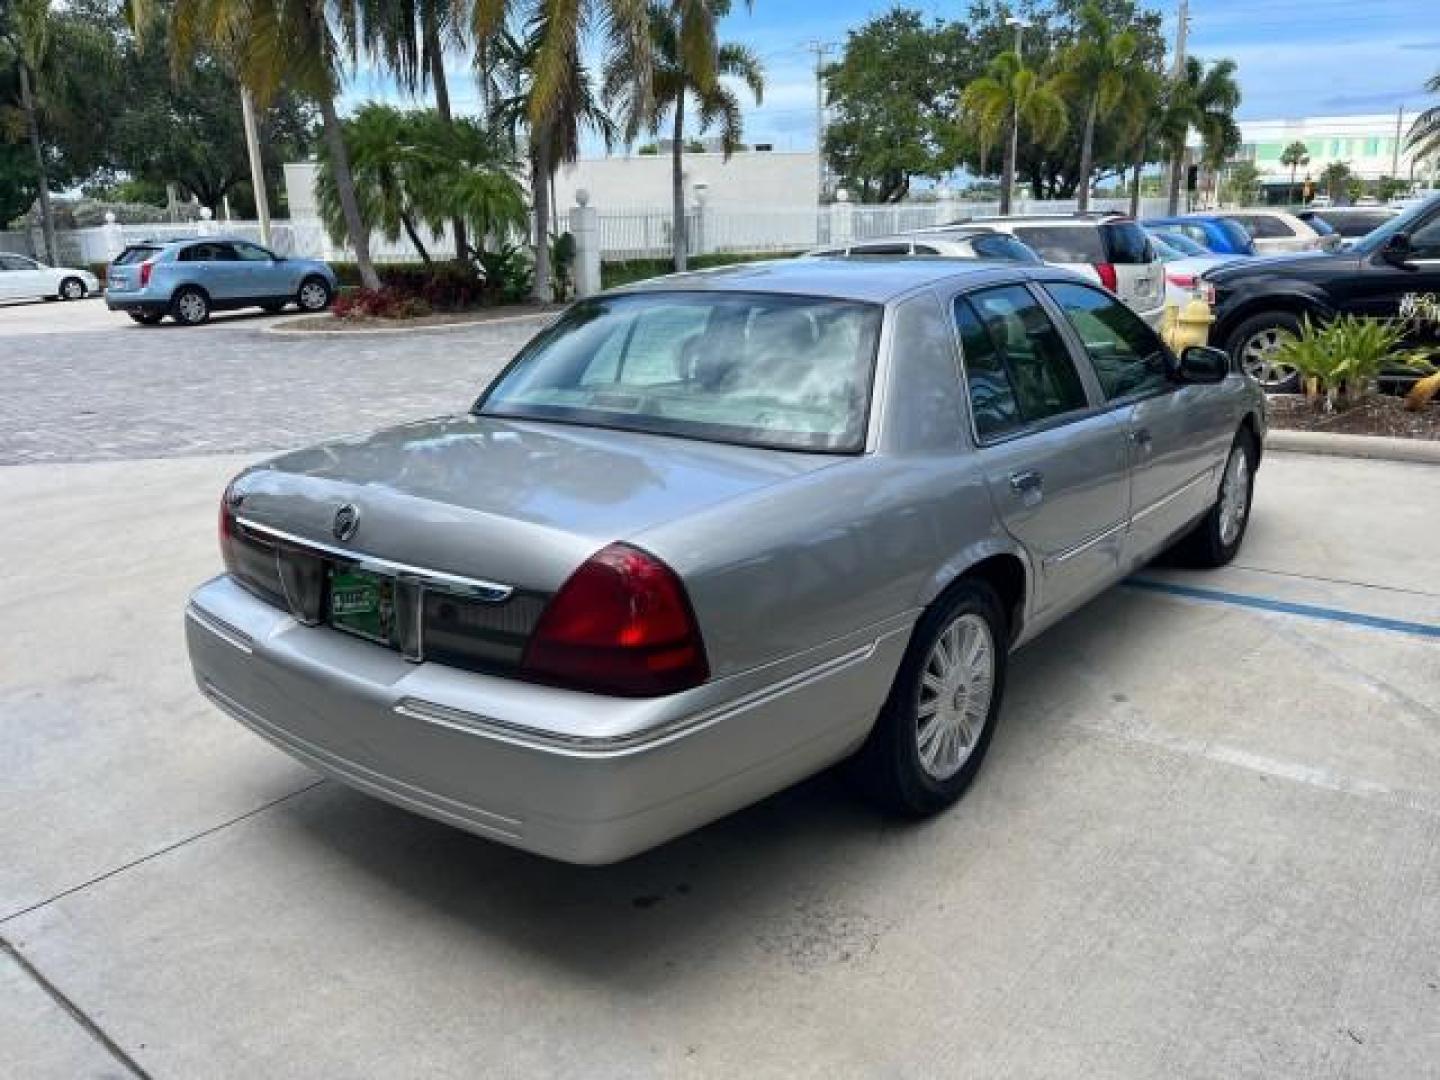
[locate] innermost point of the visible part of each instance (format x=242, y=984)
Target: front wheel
x=1216, y=539
x=72, y=289
x=933, y=732
x=1254, y=343
x=314, y=294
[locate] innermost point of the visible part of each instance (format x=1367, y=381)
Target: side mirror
x=1397, y=249
x=1204, y=364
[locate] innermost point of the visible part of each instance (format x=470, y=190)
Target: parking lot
x=1206, y=842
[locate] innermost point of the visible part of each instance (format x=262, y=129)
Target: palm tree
x=1203, y=98
x=672, y=83
x=26, y=35
x=1099, y=66
x=1424, y=136
x=275, y=43
x=551, y=139
x=1007, y=92
x=1294, y=155
x=1141, y=106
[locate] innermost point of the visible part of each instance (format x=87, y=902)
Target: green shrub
x=1339, y=361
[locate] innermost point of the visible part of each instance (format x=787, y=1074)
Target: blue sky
x=1296, y=57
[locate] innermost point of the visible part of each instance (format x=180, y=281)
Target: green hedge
x=623, y=273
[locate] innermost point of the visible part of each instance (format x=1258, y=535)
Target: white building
x=1372, y=145
x=749, y=179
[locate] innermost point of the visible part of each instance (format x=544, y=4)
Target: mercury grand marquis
x=710, y=534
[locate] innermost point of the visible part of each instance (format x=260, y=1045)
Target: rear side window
x=1263, y=227
x=1064, y=244
x=1022, y=341
x=1239, y=237
x=992, y=395
x=135, y=253
x=1126, y=242
x=881, y=249
x=1006, y=248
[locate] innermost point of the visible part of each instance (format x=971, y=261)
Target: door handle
x=1026, y=481
x=1141, y=437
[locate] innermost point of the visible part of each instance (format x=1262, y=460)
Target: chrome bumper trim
x=221, y=629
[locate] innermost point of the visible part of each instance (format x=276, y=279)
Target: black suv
x=1392, y=272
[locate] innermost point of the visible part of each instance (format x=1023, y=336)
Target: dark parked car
x=1350, y=222
x=1392, y=272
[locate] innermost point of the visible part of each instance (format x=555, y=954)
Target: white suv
x=1110, y=249
x=1275, y=231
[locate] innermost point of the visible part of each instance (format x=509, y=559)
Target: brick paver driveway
x=127, y=391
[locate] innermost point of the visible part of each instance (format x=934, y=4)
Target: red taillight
x=145, y=268
x=622, y=625
x=1183, y=281
x=227, y=530
x=1107, y=276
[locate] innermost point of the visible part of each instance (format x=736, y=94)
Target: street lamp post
x=1012, y=155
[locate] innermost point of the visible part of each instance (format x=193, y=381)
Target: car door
x=258, y=274
x=211, y=264
x=24, y=278
x=10, y=276
x=1176, y=434
x=1056, y=465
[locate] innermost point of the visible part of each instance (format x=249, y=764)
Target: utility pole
x=1012, y=153
x=257, y=168
x=821, y=49
x=1177, y=161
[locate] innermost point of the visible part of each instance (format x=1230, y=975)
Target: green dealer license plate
x=363, y=604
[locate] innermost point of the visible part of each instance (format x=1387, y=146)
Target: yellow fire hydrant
x=1182, y=327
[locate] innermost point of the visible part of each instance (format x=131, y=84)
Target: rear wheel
x=146, y=318
x=1216, y=539
x=190, y=306
x=314, y=294
x=72, y=288
x=932, y=735
x=1254, y=343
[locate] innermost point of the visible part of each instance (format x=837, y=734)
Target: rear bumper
x=135, y=302
x=576, y=777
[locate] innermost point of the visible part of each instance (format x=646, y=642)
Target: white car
x=957, y=241
x=22, y=278
x=1109, y=249
x=1275, y=231
x=1185, y=263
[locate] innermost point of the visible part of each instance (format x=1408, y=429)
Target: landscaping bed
x=329, y=324
x=1378, y=414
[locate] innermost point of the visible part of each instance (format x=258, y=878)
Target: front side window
x=252, y=253
x=1425, y=241
x=1041, y=373
x=1127, y=356
x=789, y=372
x=15, y=262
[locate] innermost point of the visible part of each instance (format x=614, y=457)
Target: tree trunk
x=442, y=107
x=1135, y=182
x=1007, y=172
x=1087, y=153
x=539, y=194
x=1177, y=176
x=415, y=238
x=678, y=239
x=32, y=121
x=345, y=188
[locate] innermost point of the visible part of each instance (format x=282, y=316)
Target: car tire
x=930, y=738
x=1218, y=536
x=314, y=294
x=190, y=306
x=1249, y=343
x=146, y=318
x=72, y=288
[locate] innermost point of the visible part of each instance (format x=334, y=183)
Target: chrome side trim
x=221, y=629
x=1086, y=545
x=609, y=745
x=475, y=588
x=1166, y=500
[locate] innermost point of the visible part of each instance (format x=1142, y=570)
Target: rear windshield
x=1064, y=244
x=135, y=253
x=1127, y=242
x=789, y=372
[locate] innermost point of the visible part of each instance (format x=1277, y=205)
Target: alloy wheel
x=313, y=296
x=191, y=307
x=1234, y=496
x=957, y=683
x=1257, y=358
x=73, y=290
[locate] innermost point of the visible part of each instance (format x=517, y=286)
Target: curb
x=475, y=324
x=1376, y=447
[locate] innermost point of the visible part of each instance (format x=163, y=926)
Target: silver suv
x=1110, y=249
x=188, y=279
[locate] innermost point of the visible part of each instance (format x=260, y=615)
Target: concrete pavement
x=1206, y=843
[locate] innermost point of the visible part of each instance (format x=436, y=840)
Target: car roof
x=877, y=280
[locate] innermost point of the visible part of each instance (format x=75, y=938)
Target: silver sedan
x=708, y=535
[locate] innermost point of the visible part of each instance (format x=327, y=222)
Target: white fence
x=624, y=233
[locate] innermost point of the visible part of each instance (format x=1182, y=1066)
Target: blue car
x=1220, y=235
x=188, y=279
